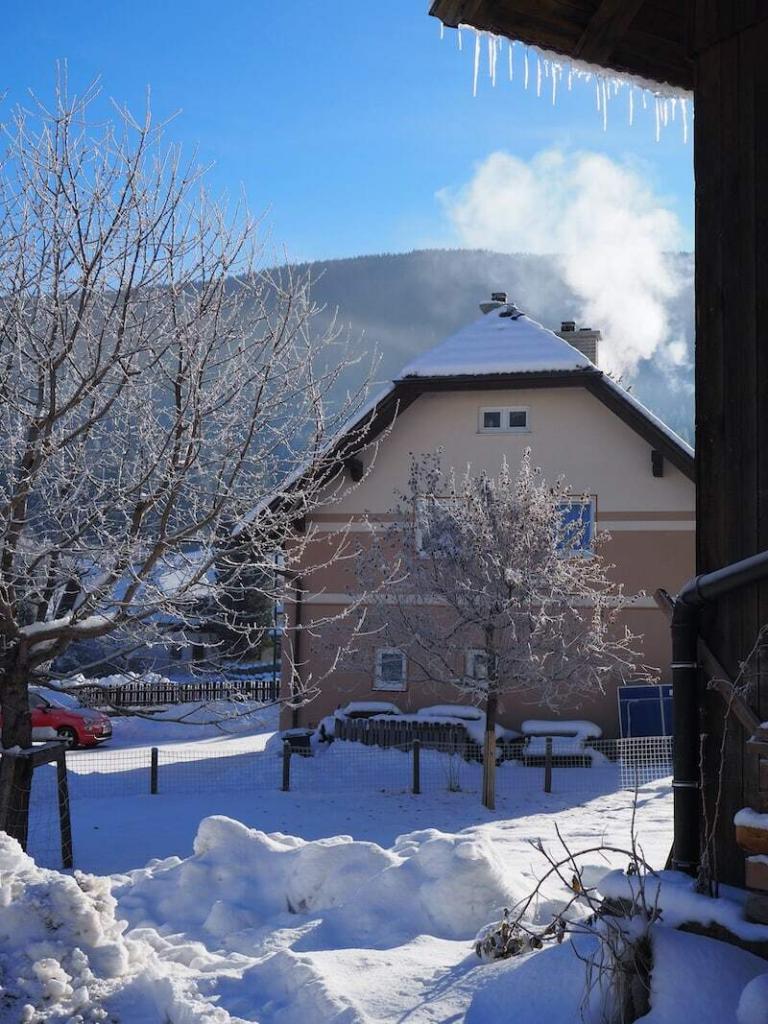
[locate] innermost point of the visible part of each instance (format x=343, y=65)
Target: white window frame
x=469, y=663
x=504, y=411
x=382, y=684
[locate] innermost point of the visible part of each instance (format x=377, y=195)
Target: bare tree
x=500, y=591
x=157, y=389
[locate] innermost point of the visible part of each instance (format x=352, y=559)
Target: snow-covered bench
x=570, y=741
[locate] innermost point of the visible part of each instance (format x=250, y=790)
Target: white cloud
x=607, y=227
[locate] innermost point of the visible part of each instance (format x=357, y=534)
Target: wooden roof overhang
x=347, y=448
x=645, y=38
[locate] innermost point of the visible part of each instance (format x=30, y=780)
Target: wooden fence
x=148, y=693
x=394, y=732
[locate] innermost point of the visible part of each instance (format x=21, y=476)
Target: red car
x=77, y=726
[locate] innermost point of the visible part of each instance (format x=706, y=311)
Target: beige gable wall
x=572, y=434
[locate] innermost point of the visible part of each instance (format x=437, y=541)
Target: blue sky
x=342, y=124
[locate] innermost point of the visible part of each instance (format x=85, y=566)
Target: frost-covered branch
x=158, y=390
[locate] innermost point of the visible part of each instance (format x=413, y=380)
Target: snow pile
x=576, y=729
x=569, y=738
x=700, y=979
x=675, y=895
x=241, y=881
x=60, y=943
x=747, y=818
x=364, y=708
x=192, y=721
x=753, y=1002
x=463, y=711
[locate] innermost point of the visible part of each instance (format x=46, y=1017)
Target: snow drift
x=240, y=880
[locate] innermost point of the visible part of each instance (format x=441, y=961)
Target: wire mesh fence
x=575, y=773
x=574, y=768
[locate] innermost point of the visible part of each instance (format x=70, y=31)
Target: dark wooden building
x=716, y=48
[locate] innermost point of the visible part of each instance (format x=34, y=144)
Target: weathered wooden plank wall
x=730, y=47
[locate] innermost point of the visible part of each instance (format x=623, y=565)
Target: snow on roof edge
x=668, y=431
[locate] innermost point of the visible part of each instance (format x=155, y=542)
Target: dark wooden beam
x=355, y=468
x=623, y=35
x=606, y=27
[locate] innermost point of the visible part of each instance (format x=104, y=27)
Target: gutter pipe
x=686, y=785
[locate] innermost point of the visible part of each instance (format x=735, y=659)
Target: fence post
x=153, y=771
x=286, y=766
x=548, y=765
x=65, y=821
x=416, y=748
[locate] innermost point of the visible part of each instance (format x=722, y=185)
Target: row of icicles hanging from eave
x=552, y=68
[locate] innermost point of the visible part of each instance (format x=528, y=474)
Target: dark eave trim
x=662, y=57
x=613, y=399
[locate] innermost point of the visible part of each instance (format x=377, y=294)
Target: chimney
x=498, y=299
x=584, y=339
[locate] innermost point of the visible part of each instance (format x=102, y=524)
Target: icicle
x=674, y=109
x=442, y=30
x=597, y=94
x=538, y=75
x=477, y=64
x=459, y=42
x=644, y=97
x=658, y=120
x=509, y=58
x=554, y=84
x=684, y=113
x=631, y=105
x=493, y=56
x=605, y=106
x=570, y=78
x=526, y=68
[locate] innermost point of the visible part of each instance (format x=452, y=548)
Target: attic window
x=504, y=420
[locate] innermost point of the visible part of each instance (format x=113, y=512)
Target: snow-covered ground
x=353, y=905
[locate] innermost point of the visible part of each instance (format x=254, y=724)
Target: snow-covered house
x=495, y=388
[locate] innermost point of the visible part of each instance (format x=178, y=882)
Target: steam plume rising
x=611, y=234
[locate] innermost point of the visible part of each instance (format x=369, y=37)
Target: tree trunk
x=489, y=752
x=15, y=772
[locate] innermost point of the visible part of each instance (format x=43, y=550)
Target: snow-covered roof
x=502, y=341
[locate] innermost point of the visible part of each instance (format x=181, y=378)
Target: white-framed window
x=391, y=669
x=578, y=518
x=504, y=419
x=476, y=663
